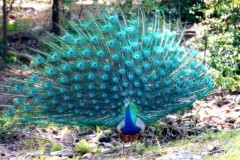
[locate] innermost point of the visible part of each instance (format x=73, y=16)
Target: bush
x=12, y=27
x=223, y=42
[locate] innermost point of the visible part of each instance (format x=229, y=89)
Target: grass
x=82, y=147
x=33, y=144
x=56, y=147
x=230, y=146
x=227, y=142
x=155, y=149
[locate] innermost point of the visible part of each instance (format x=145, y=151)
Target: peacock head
x=126, y=103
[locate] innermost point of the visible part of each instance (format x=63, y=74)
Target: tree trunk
x=55, y=17
x=4, y=29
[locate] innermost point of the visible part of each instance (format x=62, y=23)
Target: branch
x=10, y=7
x=80, y=12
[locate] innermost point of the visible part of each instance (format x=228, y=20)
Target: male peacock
x=110, y=71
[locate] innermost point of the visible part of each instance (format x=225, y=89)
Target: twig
x=80, y=12
x=10, y=7
x=158, y=143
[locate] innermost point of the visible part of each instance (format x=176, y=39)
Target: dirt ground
x=37, y=15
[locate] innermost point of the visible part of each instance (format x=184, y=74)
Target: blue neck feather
x=130, y=127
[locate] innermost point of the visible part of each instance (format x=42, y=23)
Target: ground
x=210, y=130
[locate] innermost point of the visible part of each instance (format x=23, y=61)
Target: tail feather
x=86, y=74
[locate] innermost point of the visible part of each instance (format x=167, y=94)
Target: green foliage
x=18, y=25
x=12, y=27
x=10, y=59
x=83, y=147
x=6, y=123
x=223, y=42
x=35, y=143
x=6, y=60
x=31, y=145
x=186, y=10
x=56, y=147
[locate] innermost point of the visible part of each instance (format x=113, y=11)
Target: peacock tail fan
x=86, y=74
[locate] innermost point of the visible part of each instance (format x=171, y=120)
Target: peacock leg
x=131, y=148
x=122, y=149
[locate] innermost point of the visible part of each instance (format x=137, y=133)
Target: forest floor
x=209, y=130
x=36, y=15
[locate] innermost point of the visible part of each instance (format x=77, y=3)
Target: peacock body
x=111, y=71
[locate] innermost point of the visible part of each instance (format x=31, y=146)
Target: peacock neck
x=129, y=118
x=130, y=124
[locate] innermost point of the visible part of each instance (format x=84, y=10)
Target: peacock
x=107, y=69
